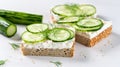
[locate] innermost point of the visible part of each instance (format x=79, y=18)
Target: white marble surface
x=105, y=54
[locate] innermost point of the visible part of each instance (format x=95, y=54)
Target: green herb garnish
x=2, y=62
x=14, y=46
x=72, y=7
x=57, y=63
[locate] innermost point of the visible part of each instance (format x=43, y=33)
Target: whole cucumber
x=7, y=28
x=21, y=17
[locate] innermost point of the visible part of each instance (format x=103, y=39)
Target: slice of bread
x=65, y=52
x=49, y=47
x=91, y=42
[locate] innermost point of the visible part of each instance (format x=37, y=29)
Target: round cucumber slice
x=82, y=29
x=68, y=19
x=59, y=34
x=11, y=30
x=33, y=38
x=89, y=29
x=36, y=28
x=87, y=10
x=61, y=10
x=89, y=22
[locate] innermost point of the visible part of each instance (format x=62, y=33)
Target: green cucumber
x=90, y=22
x=83, y=10
x=62, y=10
x=82, y=29
x=87, y=10
x=20, y=17
x=7, y=28
x=36, y=28
x=59, y=34
x=71, y=34
x=68, y=19
x=33, y=38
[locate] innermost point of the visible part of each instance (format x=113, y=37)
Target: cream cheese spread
x=50, y=44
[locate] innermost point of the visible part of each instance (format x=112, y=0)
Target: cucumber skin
x=21, y=17
x=4, y=24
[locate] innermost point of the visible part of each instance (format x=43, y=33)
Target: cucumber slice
x=87, y=29
x=87, y=10
x=11, y=30
x=36, y=28
x=68, y=19
x=89, y=22
x=71, y=34
x=33, y=38
x=59, y=34
x=7, y=28
x=61, y=10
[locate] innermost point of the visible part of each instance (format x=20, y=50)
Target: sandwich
x=89, y=28
x=48, y=40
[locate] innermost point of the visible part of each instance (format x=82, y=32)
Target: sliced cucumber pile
x=40, y=32
x=37, y=28
x=80, y=16
x=74, y=10
x=88, y=24
x=84, y=24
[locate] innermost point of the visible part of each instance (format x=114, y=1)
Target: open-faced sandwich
x=48, y=40
x=89, y=29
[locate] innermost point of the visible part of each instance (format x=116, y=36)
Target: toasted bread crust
x=65, y=52
x=91, y=42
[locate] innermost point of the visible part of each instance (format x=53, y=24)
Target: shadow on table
x=16, y=37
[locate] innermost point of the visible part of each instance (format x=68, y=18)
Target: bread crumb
x=109, y=42
x=105, y=44
x=112, y=46
x=33, y=61
x=101, y=50
x=83, y=55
